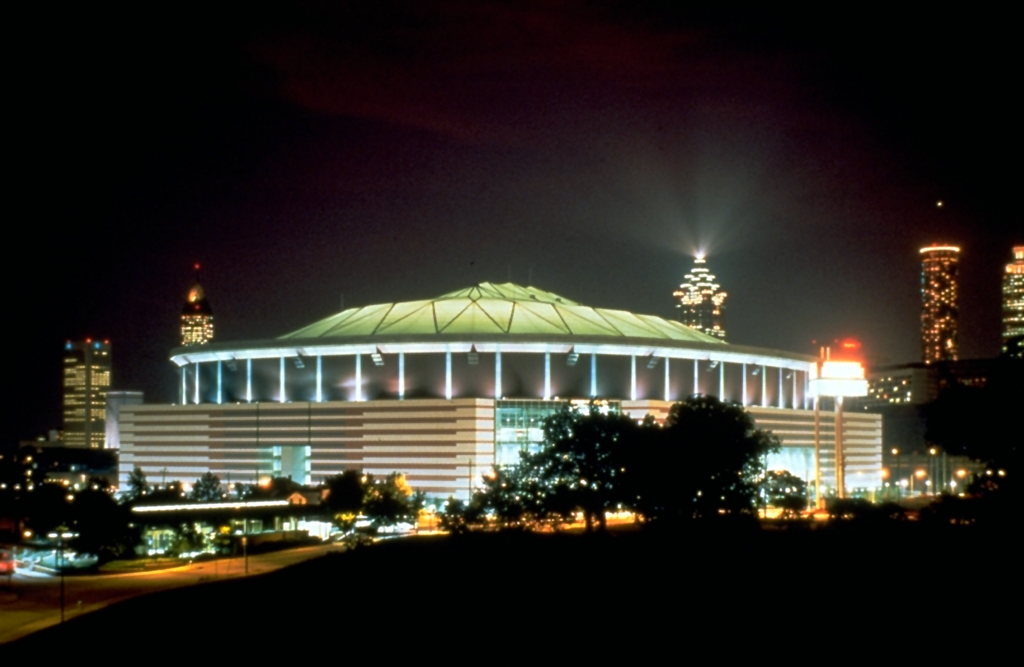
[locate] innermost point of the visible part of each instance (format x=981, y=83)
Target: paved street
x=31, y=601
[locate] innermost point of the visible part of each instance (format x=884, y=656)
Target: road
x=31, y=601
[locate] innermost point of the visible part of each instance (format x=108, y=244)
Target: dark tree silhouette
x=207, y=489
x=346, y=492
x=104, y=528
x=138, y=486
x=706, y=462
x=580, y=466
x=784, y=490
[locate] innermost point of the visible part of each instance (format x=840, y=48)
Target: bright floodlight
x=840, y=378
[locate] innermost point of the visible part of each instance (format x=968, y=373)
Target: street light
x=60, y=562
x=920, y=474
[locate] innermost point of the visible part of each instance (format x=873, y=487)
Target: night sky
x=397, y=151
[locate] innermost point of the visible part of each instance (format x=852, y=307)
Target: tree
x=207, y=489
x=172, y=492
x=391, y=501
x=453, y=517
x=346, y=492
x=580, y=467
x=138, y=486
x=104, y=528
x=784, y=490
x=514, y=495
x=706, y=462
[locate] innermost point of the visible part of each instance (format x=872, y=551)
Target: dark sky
x=396, y=151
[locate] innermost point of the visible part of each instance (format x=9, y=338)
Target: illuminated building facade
x=1013, y=297
x=445, y=388
x=940, y=286
x=86, y=381
x=196, y=316
x=701, y=301
x=115, y=401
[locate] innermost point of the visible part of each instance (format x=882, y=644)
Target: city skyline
x=323, y=155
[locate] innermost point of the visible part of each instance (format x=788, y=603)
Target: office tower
x=196, y=316
x=1013, y=297
x=701, y=301
x=86, y=380
x=940, y=284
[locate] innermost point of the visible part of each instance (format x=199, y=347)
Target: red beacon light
x=847, y=349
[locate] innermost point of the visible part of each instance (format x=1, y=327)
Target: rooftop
x=489, y=308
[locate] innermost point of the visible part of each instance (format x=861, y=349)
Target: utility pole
x=60, y=566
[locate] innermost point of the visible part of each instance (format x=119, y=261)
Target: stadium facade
x=443, y=389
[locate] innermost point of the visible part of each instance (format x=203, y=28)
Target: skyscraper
x=196, y=316
x=701, y=301
x=1013, y=296
x=940, y=285
x=86, y=381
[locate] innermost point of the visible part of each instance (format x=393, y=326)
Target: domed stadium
x=443, y=389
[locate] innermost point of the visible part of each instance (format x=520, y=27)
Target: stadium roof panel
x=489, y=308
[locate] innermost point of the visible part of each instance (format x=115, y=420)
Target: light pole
x=60, y=535
x=896, y=457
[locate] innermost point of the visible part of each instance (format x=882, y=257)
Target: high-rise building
x=940, y=285
x=196, y=316
x=1013, y=297
x=86, y=381
x=701, y=301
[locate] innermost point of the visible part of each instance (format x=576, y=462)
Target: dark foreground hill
x=441, y=593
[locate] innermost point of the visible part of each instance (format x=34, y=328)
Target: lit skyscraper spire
x=1013, y=296
x=940, y=286
x=701, y=301
x=196, y=316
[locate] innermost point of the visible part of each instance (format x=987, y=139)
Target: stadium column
x=281, y=381
x=668, y=390
x=793, y=402
x=184, y=382
x=220, y=382
x=497, y=372
x=764, y=386
x=401, y=375
x=782, y=397
x=319, y=379
x=359, y=377
x=547, y=375
x=840, y=456
x=721, y=380
x=248, y=380
x=593, y=375
x=696, y=379
x=632, y=377
x=447, y=372
x=743, y=386
x=197, y=384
